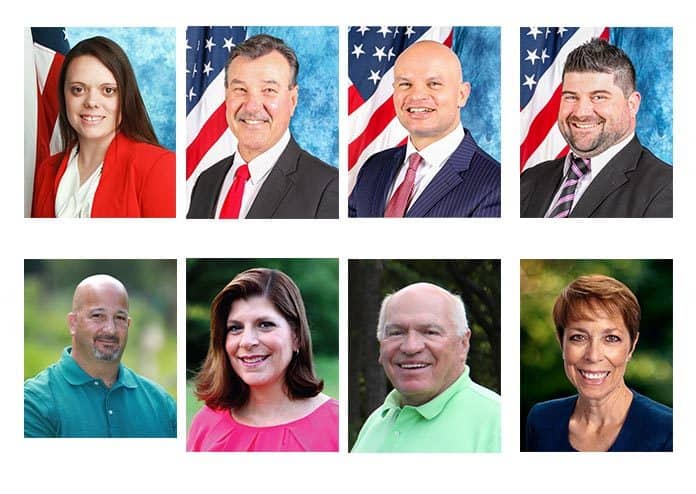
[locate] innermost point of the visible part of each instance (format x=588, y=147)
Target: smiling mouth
x=594, y=376
x=92, y=118
x=253, y=360
x=585, y=125
x=413, y=366
x=419, y=109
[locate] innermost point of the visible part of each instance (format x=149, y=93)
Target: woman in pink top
x=258, y=381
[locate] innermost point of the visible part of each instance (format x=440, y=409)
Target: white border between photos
x=154, y=465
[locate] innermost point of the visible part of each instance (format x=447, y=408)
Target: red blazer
x=138, y=180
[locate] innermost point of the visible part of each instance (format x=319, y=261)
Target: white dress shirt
x=72, y=199
x=597, y=164
x=259, y=169
x=434, y=157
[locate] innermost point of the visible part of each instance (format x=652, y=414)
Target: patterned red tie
x=396, y=208
x=233, y=201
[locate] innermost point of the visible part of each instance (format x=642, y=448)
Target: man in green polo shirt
x=88, y=392
x=435, y=406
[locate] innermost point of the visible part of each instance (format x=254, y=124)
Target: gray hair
x=263, y=44
x=458, y=313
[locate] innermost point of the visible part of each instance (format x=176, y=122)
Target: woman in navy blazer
x=597, y=321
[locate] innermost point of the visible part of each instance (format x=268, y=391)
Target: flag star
x=357, y=51
x=390, y=54
x=191, y=94
x=65, y=34
x=188, y=47
x=363, y=29
x=532, y=57
x=409, y=32
x=208, y=68
x=194, y=71
x=228, y=44
x=534, y=32
x=396, y=31
x=209, y=44
x=379, y=53
x=561, y=31
x=529, y=81
x=374, y=76
x=384, y=30
x=548, y=31
x=544, y=56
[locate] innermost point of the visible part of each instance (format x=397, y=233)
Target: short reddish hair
x=217, y=383
x=588, y=295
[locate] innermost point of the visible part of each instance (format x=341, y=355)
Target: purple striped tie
x=578, y=168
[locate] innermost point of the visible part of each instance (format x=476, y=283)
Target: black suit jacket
x=298, y=186
x=634, y=184
x=467, y=185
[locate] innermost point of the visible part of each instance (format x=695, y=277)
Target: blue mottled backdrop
x=151, y=51
x=478, y=49
x=650, y=50
x=315, y=123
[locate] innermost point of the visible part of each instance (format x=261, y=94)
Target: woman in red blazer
x=112, y=164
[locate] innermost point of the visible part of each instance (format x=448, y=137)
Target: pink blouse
x=216, y=430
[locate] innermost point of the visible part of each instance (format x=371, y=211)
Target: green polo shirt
x=65, y=401
x=463, y=418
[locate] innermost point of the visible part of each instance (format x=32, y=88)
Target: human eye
x=577, y=337
x=392, y=332
x=270, y=90
x=234, y=328
x=267, y=325
x=435, y=84
x=403, y=85
x=76, y=89
x=110, y=90
x=612, y=338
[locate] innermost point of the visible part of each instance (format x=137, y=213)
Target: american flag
x=49, y=47
x=207, y=138
x=372, y=122
x=543, y=52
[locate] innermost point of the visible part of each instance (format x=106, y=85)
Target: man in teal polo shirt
x=435, y=406
x=88, y=392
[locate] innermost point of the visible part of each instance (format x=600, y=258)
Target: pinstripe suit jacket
x=467, y=185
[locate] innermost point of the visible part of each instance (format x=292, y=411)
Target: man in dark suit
x=608, y=173
x=269, y=176
x=440, y=172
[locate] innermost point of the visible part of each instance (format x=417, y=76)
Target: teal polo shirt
x=65, y=401
x=463, y=418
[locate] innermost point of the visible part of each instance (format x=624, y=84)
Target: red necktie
x=399, y=201
x=233, y=201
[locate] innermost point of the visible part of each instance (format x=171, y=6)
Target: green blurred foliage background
x=151, y=284
x=541, y=367
x=369, y=281
x=317, y=280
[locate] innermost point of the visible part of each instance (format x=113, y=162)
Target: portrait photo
x=262, y=122
x=100, y=348
x=424, y=355
x=596, y=122
x=99, y=137
x=424, y=121
x=262, y=355
x=596, y=355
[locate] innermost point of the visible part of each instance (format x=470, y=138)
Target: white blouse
x=72, y=199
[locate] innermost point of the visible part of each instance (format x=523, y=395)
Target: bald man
x=424, y=338
x=441, y=171
x=88, y=392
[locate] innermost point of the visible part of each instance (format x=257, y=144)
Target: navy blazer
x=634, y=184
x=298, y=186
x=648, y=426
x=468, y=184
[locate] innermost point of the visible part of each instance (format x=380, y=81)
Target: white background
x=122, y=465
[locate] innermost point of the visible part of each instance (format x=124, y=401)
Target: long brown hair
x=135, y=122
x=217, y=383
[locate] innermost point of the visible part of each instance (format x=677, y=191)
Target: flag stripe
x=545, y=119
x=377, y=123
x=211, y=131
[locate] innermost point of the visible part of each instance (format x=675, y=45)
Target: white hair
x=458, y=312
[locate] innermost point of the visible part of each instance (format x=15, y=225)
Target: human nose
x=248, y=338
x=412, y=343
x=593, y=351
x=91, y=99
x=583, y=107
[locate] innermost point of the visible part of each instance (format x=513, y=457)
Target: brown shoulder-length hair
x=587, y=295
x=217, y=383
x=135, y=122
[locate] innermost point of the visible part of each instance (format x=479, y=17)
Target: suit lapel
x=386, y=177
x=612, y=176
x=277, y=184
x=546, y=190
x=449, y=177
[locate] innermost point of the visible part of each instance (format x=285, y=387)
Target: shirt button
x=111, y=412
x=96, y=383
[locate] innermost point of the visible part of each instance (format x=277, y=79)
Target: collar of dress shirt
x=437, y=153
x=600, y=161
x=261, y=166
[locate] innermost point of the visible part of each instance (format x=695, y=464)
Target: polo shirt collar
x=76, y=376
x=434, y=407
